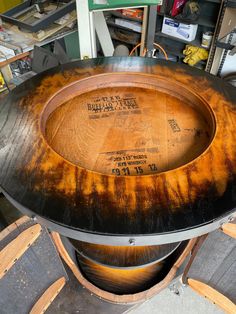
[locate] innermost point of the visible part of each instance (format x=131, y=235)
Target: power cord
x=145, y=50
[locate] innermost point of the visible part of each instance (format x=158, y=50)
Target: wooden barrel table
x=126, y=157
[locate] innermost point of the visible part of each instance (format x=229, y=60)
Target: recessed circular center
x=129, y=130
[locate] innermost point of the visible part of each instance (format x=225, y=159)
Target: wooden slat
x=63, y=253
x=16, y=248
x=194, y=252
x=5, y=232
x=144, y=30
x=213, y=295
x=229, y=229
x=48, y=296
x=13, y=59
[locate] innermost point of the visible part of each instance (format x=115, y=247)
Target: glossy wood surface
x=123, y=298
x=36, y=267
x=122, y=281
x=229, y=229
x=124, y=256
x=51, y=181
x=13, y=227
x=48, y=296
x=213, y=295
x=10, y=254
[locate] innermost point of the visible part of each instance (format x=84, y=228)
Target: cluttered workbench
x=39, y=23
x=17, y=42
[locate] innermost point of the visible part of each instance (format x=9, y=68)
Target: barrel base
x=68, y=254
x=122, y=281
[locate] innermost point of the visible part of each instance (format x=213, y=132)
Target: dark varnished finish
x=39, y=179
x=128, y=281
x=122, y=281
x=124, y=256
x=171, y=268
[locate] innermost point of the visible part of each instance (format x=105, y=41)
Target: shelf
x=207, y=21
x=131, y=42
x=133, y=39
x=121, y=27
x=214, y=1
x=173, y=52
x=112, y=23
x=226, y=46
x=118, y=14
x=170, y=49
x=195, y=42
x=180, y=54
x=201, y=21
x=201, y=63
x=177, y=53
x=231, y=4
x=204, y=21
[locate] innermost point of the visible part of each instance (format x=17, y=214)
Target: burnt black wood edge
x=126, y=240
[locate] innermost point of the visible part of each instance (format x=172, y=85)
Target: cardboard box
x=133, y=13
x=176, y=29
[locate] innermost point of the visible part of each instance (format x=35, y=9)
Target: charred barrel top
x=116, y=150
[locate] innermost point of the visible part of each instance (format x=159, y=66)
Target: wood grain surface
x=124, y=256
x=121, y=280
x=48, y=296
x=50, y=149
x=169, y=274
x=213, y=295
x=128, y=130
x=213, y=262
x=10, y=254
x=33, y=272
x=229, y=229
x=5, y=232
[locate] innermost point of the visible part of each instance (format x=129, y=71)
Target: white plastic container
x=206, y=39
x=183, y=31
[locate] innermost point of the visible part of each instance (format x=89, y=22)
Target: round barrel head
x=121, y=151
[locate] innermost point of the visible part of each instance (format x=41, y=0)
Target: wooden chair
x=211, y=271
x=31, y=272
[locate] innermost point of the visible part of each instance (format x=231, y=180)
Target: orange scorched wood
x=121, y=146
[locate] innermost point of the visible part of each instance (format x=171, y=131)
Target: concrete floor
x=185, y=302
x=177, y=299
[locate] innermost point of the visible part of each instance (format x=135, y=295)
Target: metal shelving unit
x=122, y=34
x=219, y=47
x=206, y=22
x=91, y=18
x=195, y=42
